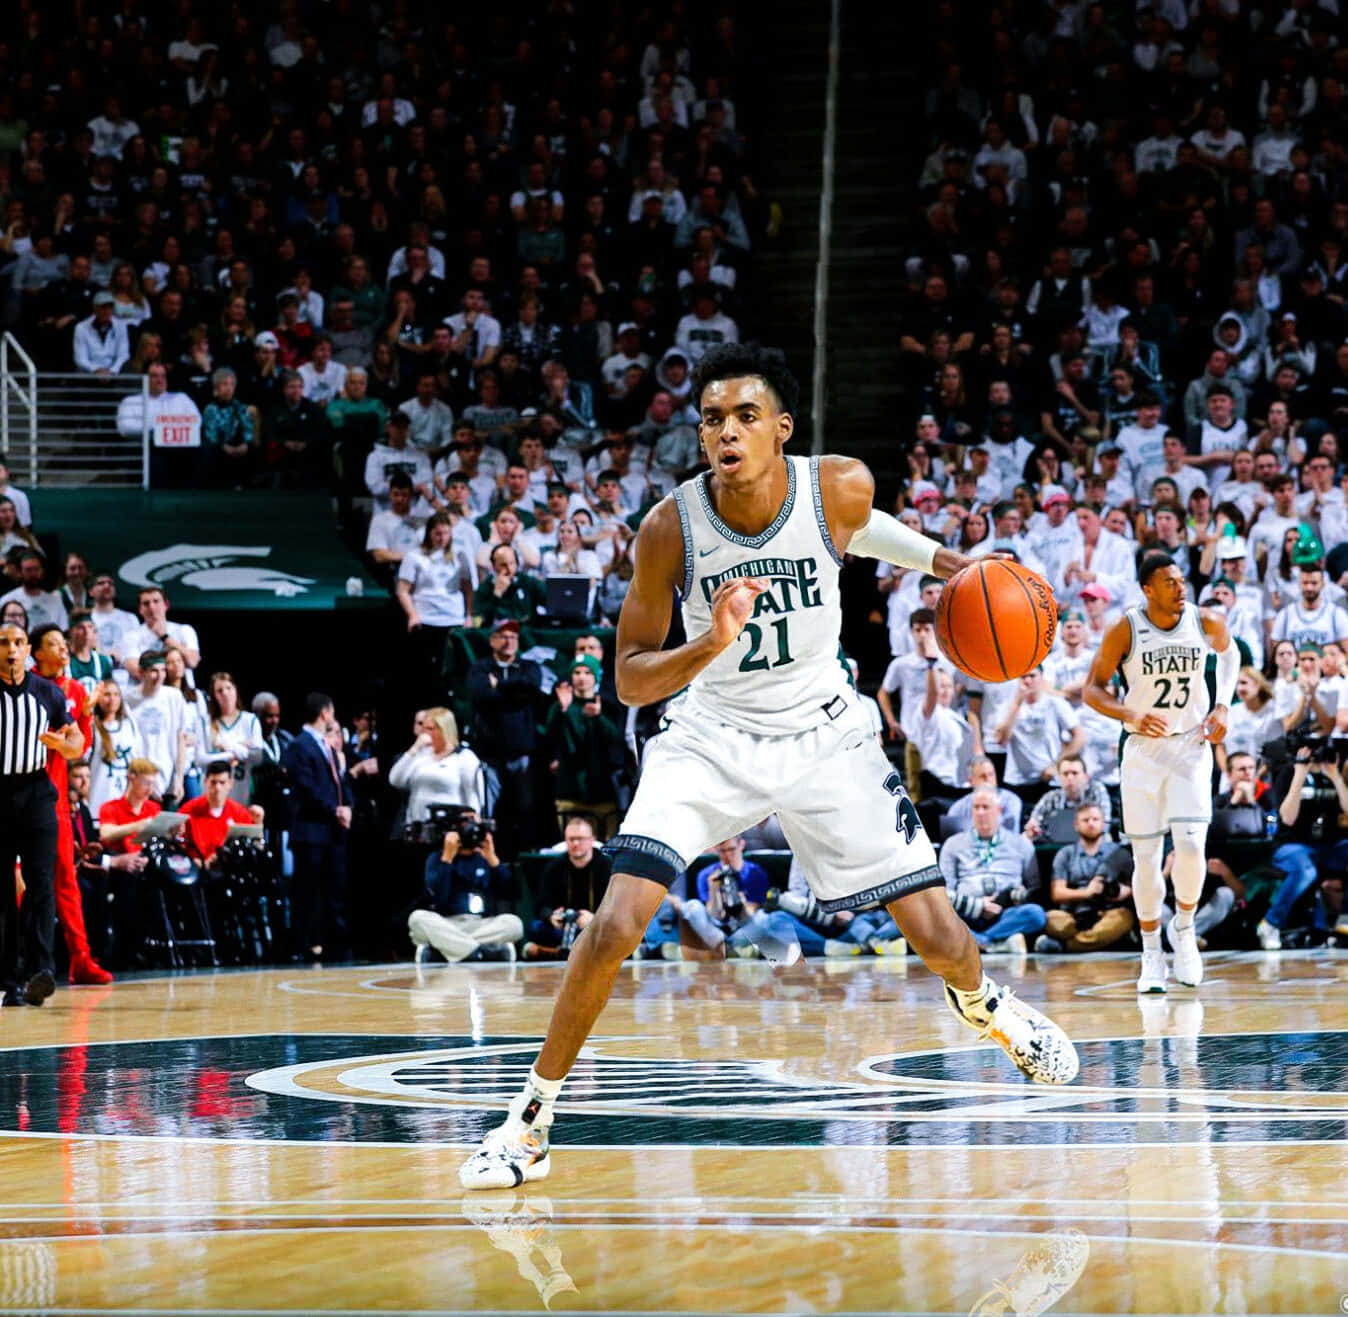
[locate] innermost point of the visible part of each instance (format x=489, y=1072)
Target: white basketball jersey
x=1165, y=672
x=785, y=672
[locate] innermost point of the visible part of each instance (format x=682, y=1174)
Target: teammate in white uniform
x=1161, y=652
x=766, y=721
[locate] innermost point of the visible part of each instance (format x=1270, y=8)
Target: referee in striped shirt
x=33, y=720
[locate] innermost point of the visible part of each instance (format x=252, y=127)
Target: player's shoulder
x=846, y=486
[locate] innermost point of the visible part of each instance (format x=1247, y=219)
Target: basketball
x=996, y=620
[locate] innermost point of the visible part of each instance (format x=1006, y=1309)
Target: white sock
x=1151, y=941
x=1183, y=919
x=542, y=1092
x=976, y=1006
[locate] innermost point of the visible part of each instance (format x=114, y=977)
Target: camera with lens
x=441, y=819
x=726, y=904
x=569, y=929
x=1316, y=743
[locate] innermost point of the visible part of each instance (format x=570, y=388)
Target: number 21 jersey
x=1166, y=671
x=785, y=672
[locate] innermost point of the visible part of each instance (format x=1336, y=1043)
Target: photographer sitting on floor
x=728, y=893
x=1311, y=799
x=465, y=884
x=990, y=875
x=570, y=889
x=1090, y=884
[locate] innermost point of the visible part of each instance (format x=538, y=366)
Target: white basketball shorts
x=841, y=805
x=1165, y=780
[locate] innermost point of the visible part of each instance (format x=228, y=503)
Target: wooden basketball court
x=827, y=1139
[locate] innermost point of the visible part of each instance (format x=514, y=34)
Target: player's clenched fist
x=731, y=606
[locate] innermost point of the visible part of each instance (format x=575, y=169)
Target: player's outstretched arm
x=646, y=674
x=857, y=526
x=1096, y=692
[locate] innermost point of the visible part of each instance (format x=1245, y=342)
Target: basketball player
x=767, y=721
x=1161, y=650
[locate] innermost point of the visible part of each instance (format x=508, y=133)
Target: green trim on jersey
x=824, y=533
x=749, y=541
x=686, y=530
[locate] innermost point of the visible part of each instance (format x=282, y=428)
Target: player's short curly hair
x=733, y=361
x=1151, y=564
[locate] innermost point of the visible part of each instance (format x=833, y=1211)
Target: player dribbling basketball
x=1161, y=652
x=767, y=721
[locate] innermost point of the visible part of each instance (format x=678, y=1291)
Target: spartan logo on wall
x=213, y=567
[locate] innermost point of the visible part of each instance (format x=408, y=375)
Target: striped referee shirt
x=33, y=706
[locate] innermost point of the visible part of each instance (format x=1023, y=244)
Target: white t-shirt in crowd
x=395, y=534
x=908, y=675
x=111, y=627
x=1037, y=737
x=42, y=608
x=437, y=583
x=945, y=741
x=141, y=638
x=455, y=779
x=159, y=719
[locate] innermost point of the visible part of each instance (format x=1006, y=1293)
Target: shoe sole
x=1157, y=990
x=504, y=1175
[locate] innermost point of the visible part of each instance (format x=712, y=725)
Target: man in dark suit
x=318, y=835
x=506, y=693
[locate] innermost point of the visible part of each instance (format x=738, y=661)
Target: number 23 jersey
x=785, y=672
x=1166, y=671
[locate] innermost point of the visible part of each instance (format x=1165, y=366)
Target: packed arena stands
x=453, y=274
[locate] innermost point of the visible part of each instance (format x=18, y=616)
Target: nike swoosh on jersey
x=702, y=553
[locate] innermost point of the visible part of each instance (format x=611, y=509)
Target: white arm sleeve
x=1228, y=669
x=891, y=541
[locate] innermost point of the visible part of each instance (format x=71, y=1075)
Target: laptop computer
x=568, y=597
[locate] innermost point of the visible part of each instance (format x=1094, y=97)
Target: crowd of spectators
x=458, y=277
x=1125, y=328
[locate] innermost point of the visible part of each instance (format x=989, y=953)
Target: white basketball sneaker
x=1188, y=958
x=1154, y=972
x=514, y=1153
x=1037, y=1046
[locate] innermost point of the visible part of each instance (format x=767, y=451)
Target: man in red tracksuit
x=51, y=657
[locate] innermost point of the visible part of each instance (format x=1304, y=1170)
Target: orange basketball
x=996, y=620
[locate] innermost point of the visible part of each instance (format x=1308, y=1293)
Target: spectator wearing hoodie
x=673, y=373
x=1216, y=372
x=1246, y=361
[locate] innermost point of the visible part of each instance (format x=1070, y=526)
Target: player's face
x=1166, y=589
x=742, y=430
